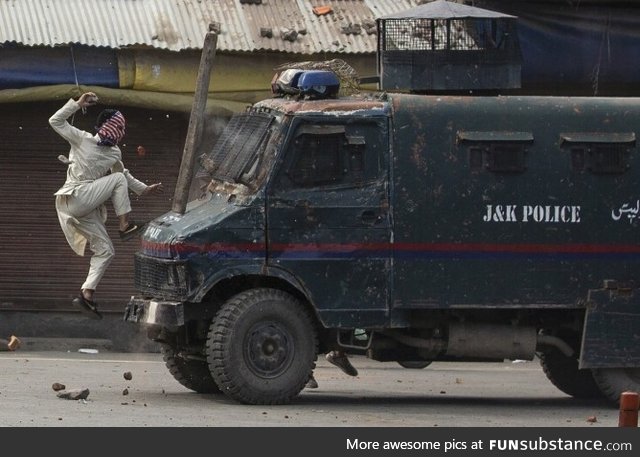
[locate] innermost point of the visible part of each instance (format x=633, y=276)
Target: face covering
x=112, y=130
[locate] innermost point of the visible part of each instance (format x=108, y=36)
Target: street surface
x=384, y=394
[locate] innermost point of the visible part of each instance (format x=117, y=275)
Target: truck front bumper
x=155, y=312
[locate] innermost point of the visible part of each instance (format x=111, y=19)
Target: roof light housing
x=307, y=83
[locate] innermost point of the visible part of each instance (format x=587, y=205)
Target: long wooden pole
x=194, y=132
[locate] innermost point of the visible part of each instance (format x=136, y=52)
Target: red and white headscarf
x=112, y=130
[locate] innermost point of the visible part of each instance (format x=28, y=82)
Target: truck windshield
x=237, y=154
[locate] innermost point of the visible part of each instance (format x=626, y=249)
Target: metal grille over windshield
x=239, y=146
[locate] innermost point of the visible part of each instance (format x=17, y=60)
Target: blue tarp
x=590, y=47
x=22, y=67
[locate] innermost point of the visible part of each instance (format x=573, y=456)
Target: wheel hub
x=269, y=350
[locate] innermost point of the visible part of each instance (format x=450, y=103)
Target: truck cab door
x=328, y=221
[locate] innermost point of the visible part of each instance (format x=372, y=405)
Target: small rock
x=58, y=387
x=125, y=392
x=74, y=394
x=289, y=35
x=592, y=419
x=215, y=27
x=370, y=26
x=127, y=375
x=351, y=29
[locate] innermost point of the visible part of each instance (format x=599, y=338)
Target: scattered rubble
x=351, y=29
x=74, y=394
x=13, y=343
x=289, y=35
x=370, y=26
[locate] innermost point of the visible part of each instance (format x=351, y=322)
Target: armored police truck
x=437, y=228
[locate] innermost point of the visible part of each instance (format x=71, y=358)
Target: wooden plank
x=194, y=132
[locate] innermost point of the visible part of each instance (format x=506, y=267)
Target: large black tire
x=563, y=373
x=193, y=374
x=261, y=347
x=613, y=381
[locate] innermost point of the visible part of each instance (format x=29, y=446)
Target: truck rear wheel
x=563, y=373
x=261, y=347
x=613, y=381
x=193, y=374
x=414, y=364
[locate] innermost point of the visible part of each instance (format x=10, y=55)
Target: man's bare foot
x=88, y=294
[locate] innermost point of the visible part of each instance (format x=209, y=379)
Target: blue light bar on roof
x=319, y=83
x=309, y=83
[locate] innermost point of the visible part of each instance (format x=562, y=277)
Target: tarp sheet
x=591, y=46
x=27, y=67
x=442, y=9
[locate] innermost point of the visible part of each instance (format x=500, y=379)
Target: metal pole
x=194, y=132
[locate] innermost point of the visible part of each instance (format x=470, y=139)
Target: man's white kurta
x=89, y=162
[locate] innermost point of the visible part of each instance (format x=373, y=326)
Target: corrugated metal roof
x=181, y=24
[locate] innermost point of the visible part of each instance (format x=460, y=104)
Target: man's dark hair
x=104, y=116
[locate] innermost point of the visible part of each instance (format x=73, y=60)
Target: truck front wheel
x=261, y=347
x=613, y=381
x=192, y=373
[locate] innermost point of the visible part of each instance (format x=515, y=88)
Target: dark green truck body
x=439, y=227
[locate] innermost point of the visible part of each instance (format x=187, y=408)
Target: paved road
x=444, y=395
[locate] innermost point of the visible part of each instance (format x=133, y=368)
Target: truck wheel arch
x=229, y=282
